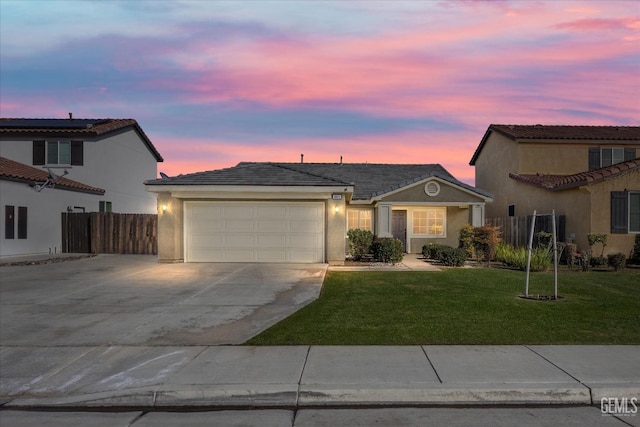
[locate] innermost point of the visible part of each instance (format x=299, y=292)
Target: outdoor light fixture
x=164, y=208
x=337, y=209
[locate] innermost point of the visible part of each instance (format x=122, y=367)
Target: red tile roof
x=72, y=128
x=11, y=170
x=519, y=133
x=563, y=182
x=544, y=132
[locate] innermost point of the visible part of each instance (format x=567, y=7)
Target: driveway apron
x=133, y=300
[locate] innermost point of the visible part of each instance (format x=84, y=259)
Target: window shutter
x=22, y=222
x=38, y=152
x=629, y=154
x=77, y=153
x=619, y=211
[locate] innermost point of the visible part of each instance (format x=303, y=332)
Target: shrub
x=544, y=239
x=485, y=241
x=453, y=257
x=598, y=261
x=359, y=242
x=617, y=260
x=433, y=250
x=387, y=250
x=465, y=240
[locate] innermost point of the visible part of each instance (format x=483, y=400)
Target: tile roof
x=369, y=179
x=72, y=128
x=11, y=170
x=564, y=182
x=520, y=133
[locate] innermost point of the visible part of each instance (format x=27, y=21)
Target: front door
x=399, y=227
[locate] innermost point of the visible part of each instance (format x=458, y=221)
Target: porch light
x=336, y=209
x=164, y=208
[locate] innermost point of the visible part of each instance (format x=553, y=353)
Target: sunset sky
x=214, y=83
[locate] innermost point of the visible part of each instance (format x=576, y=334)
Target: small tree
x=485, y=241
x=594, y=238
x=635, y=254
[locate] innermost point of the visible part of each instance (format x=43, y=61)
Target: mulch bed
x=47, y=260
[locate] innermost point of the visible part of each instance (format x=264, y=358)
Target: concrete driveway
x=132, y=300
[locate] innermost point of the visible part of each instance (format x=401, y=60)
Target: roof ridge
x=282, y=165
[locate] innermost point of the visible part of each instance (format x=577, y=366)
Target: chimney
x=301, y=158
x=70, y=116
x=340, y=160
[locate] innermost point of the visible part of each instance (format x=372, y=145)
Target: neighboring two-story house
x=590, y=174
x=49, y=166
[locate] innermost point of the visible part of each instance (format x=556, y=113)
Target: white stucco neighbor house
x=49, y=166
x=301, y=212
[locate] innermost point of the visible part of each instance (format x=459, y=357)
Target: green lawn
x=465, y=306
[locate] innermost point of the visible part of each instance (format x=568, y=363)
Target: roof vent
x=432, y=188
x=301, y=158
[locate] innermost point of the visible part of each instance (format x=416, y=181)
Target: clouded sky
x=214, y=83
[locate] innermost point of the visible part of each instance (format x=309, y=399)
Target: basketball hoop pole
x=529, y=248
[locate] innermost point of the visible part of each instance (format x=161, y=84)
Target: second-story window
x=611, y=156
x=601, y=157
x=58, y=153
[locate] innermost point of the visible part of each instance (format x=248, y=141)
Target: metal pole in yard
x=555, y=255
x=529, y=248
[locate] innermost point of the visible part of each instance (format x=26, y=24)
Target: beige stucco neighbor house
x=591, y=174
x=300, y=212
x=100, y=165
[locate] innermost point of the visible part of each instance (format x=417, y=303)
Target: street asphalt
x=126, y=334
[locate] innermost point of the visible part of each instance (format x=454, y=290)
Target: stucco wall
x=118, y=164
x=559, y=158
x=448, y=194
x=497, y=158
x=601, y=211
x=170, y=228
x=44, y=209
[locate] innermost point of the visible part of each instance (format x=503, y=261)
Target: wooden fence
x=109, y=233
x=515, y=229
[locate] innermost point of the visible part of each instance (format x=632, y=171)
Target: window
x=105, y=206
x=359, y=219
x=9, y=222
x=625, y=212
x=602, y=157
x=429, y=222
x=512, y=210
x=58, y=153
x=22, y=222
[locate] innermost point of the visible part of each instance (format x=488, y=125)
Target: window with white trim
x=429, y=222
x=359, y=219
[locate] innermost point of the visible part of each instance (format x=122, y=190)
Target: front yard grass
x=465, y=306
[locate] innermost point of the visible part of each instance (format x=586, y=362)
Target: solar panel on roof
x=50, y=123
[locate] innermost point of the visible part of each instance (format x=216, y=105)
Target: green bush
x=465, y=240
x=433, y=250
x=617, y=260
x=598, y=261
x=593, y=238
x=387, y=250
x=359, y=242
x=453, y=257
x=541, y=258
x=543, y=239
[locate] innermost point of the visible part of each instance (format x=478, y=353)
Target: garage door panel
x=273, y=225
x=254, y=231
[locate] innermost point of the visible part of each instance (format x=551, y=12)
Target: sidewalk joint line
x=304, y=365
x=549, y=361
x=432, y=367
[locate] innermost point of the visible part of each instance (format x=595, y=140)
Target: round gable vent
x=432, y=188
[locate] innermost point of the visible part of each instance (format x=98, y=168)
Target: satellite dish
x=164, y=175
x=50, y=182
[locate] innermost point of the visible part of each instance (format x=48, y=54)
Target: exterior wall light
x=164, y=208
x=336, y=209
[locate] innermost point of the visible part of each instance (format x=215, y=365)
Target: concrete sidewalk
x=242, y=377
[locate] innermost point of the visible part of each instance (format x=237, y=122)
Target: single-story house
x=301, y=212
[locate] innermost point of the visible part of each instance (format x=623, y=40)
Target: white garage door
x=254, y=232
